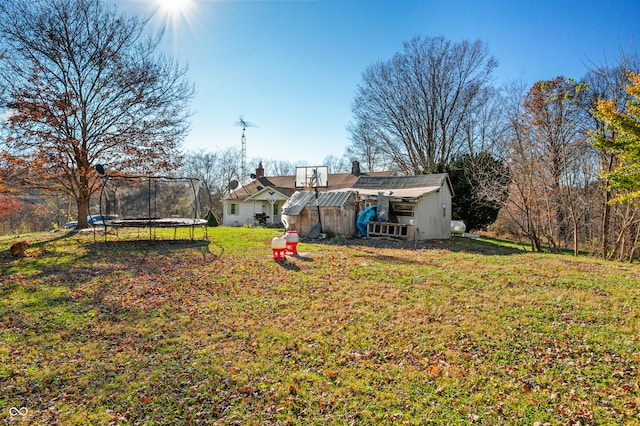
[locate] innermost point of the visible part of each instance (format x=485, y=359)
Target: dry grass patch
x=367, y=332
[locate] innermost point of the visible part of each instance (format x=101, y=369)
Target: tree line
x=551, y=157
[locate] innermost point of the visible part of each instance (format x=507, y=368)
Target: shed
x=422, y=202
x=338, y=212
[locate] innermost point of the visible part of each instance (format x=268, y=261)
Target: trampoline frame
x=151, y=221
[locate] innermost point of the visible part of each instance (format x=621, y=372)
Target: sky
x=291, y=67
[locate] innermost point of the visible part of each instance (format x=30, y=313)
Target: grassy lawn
x=194, y=332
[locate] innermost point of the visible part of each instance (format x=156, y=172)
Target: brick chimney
x=355, y=168
x=259, y=171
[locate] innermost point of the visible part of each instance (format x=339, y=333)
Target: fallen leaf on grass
x=433, y=370
x=331, y=373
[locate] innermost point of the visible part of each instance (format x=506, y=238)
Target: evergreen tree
x=470, y=204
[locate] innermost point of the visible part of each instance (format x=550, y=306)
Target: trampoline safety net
x=150, y=202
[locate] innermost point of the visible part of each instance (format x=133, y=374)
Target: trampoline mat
x=170, y=222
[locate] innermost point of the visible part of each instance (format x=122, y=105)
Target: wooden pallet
x=390, y=230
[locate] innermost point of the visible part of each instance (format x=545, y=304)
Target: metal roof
x=400, y=182
x=401, y=186
x=286, y=184
x=399, y=193
x=301, y=199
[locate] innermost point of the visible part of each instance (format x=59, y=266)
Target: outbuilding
x=410, y=206
x=335, y=211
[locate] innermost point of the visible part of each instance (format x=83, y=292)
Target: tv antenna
x=244, y=124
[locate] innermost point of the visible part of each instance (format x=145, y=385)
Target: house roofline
x=263, y=190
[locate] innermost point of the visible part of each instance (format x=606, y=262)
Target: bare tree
x=84, y=85
x=557, y=124
x=366, y=147
x=337, y=164
x=548, y=156
x=483, y=126
x=203, y=166
x=275, y=167
x=216, y=170
x=283, y=168
x=414, y=105
x=522, y=205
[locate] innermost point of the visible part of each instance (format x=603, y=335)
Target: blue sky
x=292, y=66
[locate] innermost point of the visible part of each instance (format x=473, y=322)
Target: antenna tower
x=244, y=124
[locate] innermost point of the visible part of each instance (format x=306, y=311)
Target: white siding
x=433, y=215
x=246, y=211
x=244, y=214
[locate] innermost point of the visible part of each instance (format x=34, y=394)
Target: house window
x=402, y=209
x=232, y=209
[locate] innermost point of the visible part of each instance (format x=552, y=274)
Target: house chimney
x=259, y=171
x=355, y=168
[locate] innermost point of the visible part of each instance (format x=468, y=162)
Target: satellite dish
x=233, y=184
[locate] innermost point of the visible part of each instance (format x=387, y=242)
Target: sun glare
x=176, y=16
x=175, y=8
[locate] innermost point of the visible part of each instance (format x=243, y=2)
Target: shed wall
x=433, y=215
x=339, y=221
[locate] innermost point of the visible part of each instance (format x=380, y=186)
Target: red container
x=279, y=248
x=292, y=242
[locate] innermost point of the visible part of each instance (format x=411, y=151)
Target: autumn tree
x=605, y=83
x=522, y=207
x=83, y=84
x=623, y=139
x=556, y=143
x=414, y=107
x=625, y=176
x=613, y=219
x=13, y=211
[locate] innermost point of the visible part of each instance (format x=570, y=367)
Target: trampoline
x=151, y=202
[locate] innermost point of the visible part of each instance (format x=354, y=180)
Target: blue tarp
x=363, y=219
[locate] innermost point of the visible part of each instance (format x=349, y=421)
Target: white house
x=259, y=202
